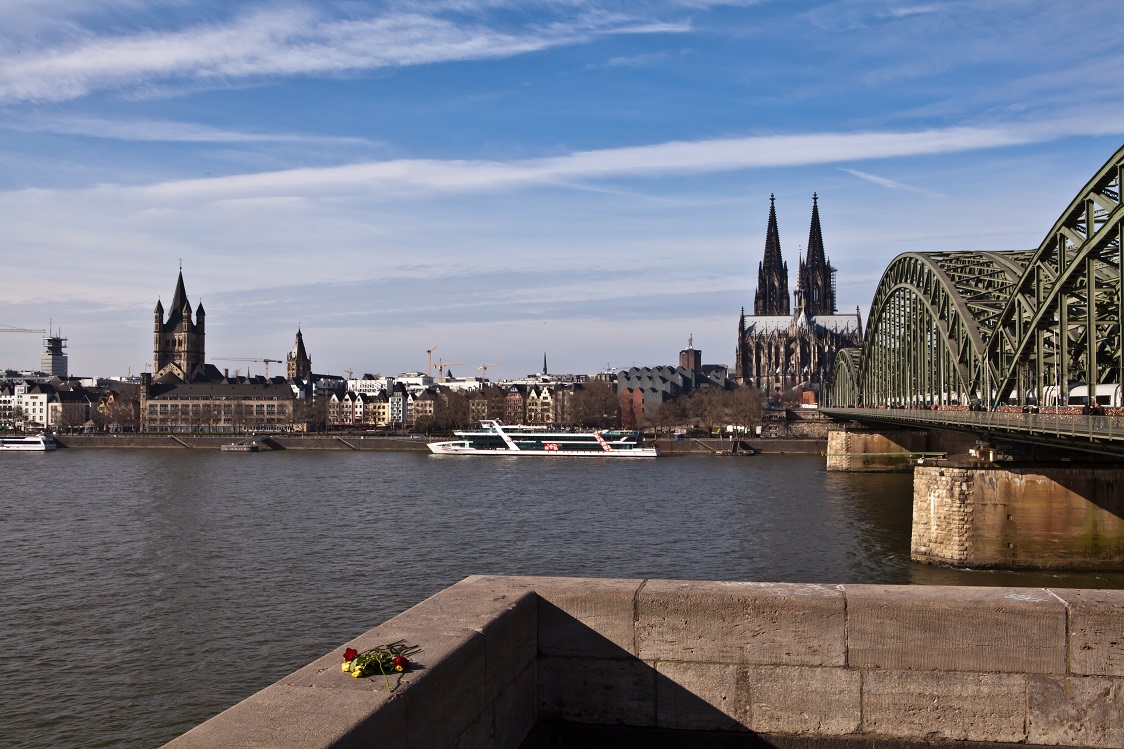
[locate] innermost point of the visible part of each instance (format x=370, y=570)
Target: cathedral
x=790, y=343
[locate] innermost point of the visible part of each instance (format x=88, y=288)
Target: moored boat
x=28, y=443
x=494, y=438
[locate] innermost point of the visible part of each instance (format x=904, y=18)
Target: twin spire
x=815, y=277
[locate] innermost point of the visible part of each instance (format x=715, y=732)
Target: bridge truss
x=994, y=327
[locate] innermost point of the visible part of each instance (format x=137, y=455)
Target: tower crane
x=266, y=362
x=441, y=364
x=484, y=369
x=429, y=358
x=10, y=329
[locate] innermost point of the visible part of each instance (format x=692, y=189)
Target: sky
x=504, y=179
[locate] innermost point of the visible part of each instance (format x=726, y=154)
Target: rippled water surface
x=145, y=590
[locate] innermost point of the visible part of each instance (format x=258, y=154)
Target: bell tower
x=178, y=342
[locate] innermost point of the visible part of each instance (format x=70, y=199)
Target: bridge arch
x=964, y=327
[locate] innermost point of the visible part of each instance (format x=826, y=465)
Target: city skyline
x=585, y=179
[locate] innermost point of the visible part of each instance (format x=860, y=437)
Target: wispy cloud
x=293, y=41
x=698, y=157
x=168, y=132
x=887, y=182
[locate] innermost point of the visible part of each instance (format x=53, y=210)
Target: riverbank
x=764, y=445
x=209, y=442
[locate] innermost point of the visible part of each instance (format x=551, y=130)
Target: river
x=146, y=590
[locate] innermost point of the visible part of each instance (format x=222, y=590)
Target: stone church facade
x=185, y=394
x=179, y=342
x=789, y=343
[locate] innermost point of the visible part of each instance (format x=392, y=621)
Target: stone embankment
x=513, y=662
x=369, y=442
x=272, y=442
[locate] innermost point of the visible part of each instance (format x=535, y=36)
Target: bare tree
x=593, y=405
x=451, y=410
x=709, y=406
x=747, y=403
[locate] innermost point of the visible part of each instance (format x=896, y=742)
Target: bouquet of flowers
x=385, y=659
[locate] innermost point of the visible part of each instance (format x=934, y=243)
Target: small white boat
x=28, y=443
x=493, y=438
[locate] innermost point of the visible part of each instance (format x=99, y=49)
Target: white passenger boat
x=28, y=443
x=493, y=438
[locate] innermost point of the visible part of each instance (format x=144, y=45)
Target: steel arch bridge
x=988, y=328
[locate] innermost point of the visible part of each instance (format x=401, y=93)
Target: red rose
x=350, y=653
x=400, y=663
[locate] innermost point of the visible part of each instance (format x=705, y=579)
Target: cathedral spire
x=815, y=278
x=772, y=273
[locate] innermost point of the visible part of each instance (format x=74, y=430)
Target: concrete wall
x=866, y=664
x=885, y=450
x=1039, y=517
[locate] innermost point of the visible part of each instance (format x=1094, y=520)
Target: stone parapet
x=789, y=664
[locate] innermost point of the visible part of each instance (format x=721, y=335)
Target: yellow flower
x=356, y=673
x=346, y=666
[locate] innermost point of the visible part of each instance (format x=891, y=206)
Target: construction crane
x=10, y=329
x=484, y=369
x=266, y=362
x=349, y=373
x=429, y=358
x=441, y=364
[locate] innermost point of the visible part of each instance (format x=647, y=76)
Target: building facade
x=247, y=404
x=778, y=350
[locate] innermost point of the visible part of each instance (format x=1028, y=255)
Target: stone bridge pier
x=969, y=512
x=1019, y=516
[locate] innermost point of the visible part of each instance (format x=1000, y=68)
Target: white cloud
x=708, y=156
x=293, y=41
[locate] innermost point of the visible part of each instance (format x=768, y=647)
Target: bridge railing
x=1057, y=424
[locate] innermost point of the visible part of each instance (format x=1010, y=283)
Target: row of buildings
x=786, y=346
x=42, y=403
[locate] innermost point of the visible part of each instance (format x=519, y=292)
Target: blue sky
x=500, y=178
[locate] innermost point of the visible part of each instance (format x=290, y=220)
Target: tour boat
x=493, y=438
x=28, y=443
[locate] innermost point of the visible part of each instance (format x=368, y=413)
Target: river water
x=143, y=591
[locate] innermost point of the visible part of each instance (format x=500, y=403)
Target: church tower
x=772, y=273
x=815, y=278
x=178, y=342
x=298, y=365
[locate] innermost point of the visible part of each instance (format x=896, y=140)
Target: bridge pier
x=1021, y=516
x=875, y=450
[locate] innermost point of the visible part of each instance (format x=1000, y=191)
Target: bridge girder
x=957, y=327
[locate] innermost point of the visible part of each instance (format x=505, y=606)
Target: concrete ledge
x=516, y=662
